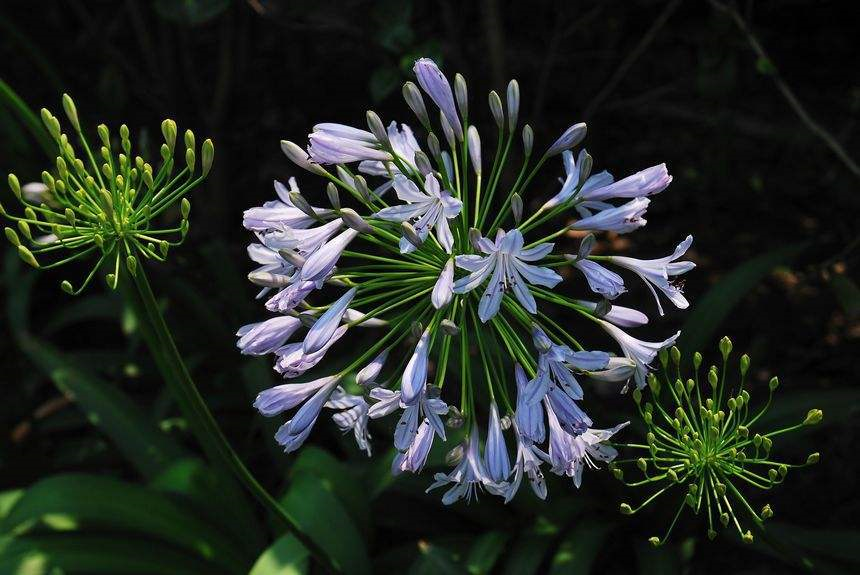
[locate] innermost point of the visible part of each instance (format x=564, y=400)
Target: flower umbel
x=702, y=443
x=105, y=203
x=454, y=281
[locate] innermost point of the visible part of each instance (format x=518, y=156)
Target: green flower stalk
x=702, y=442
x=105, y=204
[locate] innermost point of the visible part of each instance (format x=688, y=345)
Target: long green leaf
x=83, y=554
x=712, y=308
x=10, y=98
x=219, y=502
x=74, y=501
x=286, y=556
x=321, y=516
x=107, y=408
x=486, y=551
x=579, y=547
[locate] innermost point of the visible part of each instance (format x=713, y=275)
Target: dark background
x=773, y=209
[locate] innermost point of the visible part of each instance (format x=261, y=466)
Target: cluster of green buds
x=104, y=204
x=701, y=442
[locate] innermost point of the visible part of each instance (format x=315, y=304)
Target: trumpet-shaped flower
x=657, y=273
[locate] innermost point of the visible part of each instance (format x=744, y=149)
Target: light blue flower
x=351, y=417
x=657, y=273
x=468, y=476
x=321, y=263
x=323, y=329
x=506, y=269
x=427, y=208
x=642, y=353
x=443, y=289
x=280, y=212
x=622, y=219
x=414, y=458
x=339, y=144
x=293, y=433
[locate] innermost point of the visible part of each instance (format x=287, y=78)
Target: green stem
x=191, y=403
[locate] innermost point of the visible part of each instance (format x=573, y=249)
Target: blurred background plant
x=753, y=106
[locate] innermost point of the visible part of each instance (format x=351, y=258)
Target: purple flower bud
x=434, y=83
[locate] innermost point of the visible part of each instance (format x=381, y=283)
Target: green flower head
x=104, y=203
x=701, y=443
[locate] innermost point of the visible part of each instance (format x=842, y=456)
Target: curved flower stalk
x=107, y=210
x=453, y=277
x=703, y=444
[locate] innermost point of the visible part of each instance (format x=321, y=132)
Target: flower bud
x=766, y=512
x=773, y=383
x=496, y=109
x=455, y=418
x=447, y=130
x=355, y=221
x=168, y=130
x=642, y=464
x=813, y=417
x=517, y=207
x=433, y=146
x=185, y=208
x=374, y=123
x=461, y=92
x=422, y=162
x=299, y=201
x=570, y=138
x=455, y=456
x=415, y=101
x=663, y=357
x=813, y=458
x=474, y=141
x=724, y=518
x=190, y=159
x=725, y=347
x=697, y=360
x=585, y=164
x=625, y=509
x=12, y=237
x=362, y=189
x=300, y=158
x=131, y=265
x=66, y=286
x=513, y=97
x=268, y=279
x=207, y=156
x=27, y=256
x=71, y=112
x=15, y=186
x=292, y=257
x=712, y=377
x=449, y=327
x=744, y=364
x=528, y=140
x=675, y=354
x=417, y=329
x=748, y=537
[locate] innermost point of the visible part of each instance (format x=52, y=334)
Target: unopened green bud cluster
x=702, y=444
x=103, y=202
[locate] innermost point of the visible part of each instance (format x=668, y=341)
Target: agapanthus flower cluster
x=427, y=250
x=702, y=444
x=104, y=204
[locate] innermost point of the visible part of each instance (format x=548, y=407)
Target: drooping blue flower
x=436, y=85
